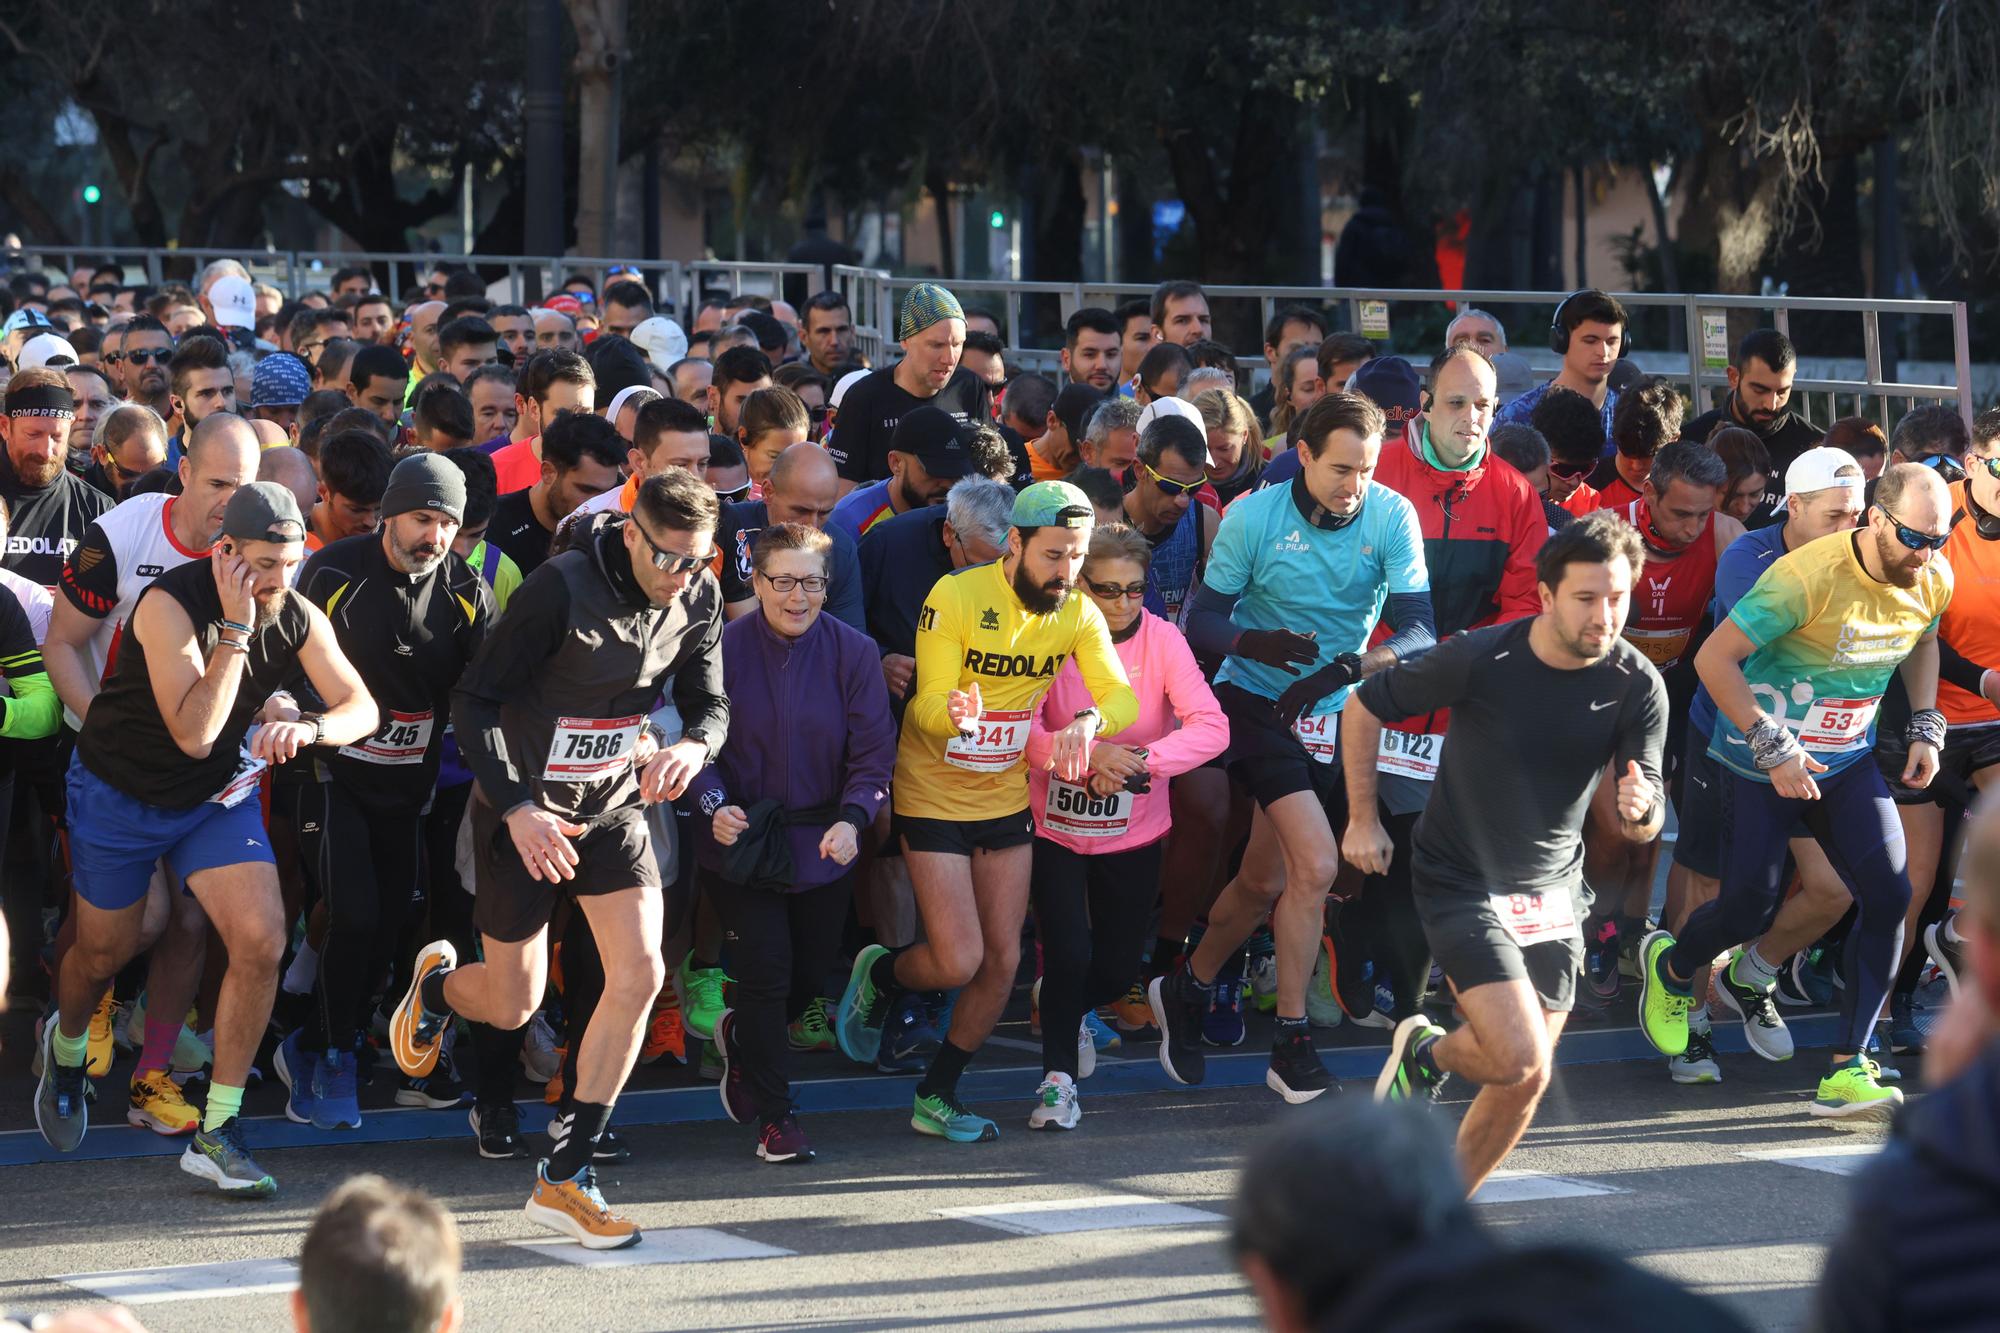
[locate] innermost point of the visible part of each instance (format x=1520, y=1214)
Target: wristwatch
x=1096, y=717
x=318, y=721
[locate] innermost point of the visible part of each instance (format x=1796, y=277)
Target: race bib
x=1837, y=724
x=996, y=743
x=1662, y=647
x=1320, y=734
x=1082, y=813
x=1410, y=754
x=402, y=739
x=585, y=749
x=1537, y=918
x=248, y=772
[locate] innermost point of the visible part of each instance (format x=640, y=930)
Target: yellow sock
x=223, y=1103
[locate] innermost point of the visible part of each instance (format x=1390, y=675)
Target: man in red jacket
x=1482, y=525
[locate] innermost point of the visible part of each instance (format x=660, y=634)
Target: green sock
x=71, y=1051
x=223, y=1104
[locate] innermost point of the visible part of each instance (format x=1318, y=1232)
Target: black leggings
x=1382, y=923
x=780, y=948
x=1095, y=918
x=366, y=865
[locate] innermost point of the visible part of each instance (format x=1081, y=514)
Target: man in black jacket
x=1917, y=1249
x=1760, y=395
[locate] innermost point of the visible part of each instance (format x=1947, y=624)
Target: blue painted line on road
x=1116, y=1076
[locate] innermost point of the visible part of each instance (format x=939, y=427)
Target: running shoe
x=414, y=1031
x=1353, y=978
x=943, y=1116
x=295, y=1066
x=97, y=1060
x=1854, y=1092
x=1600, y=960
x=1696, y=1064
x=734, y=1089
x=907, y=1041
x=440, y=1091
x=1763, y=1027
x=782, y=1142
x=574, y=1208
x=60, y=1111
x=811, y=1031
x=1905, y=1037
x=939, y=1005
x=1178, y=1008
x=1132, y=1013
x=335, y=1102
x=552, y=1091
x=857, y=1023
x=1102, y=1038
x=1629, y=946
x=541, y=1050
x=709, y=1067
x=1663, y=1012
x=665, y=1034
x=1879, y=1053
x=1404, y=1078
x=1946, y=952
x=497, y=1129
x=1322, y=1009
x=1296, y=1073
x=157, y=1105
x=1222, y=1025
x=1380, y=1012
x=218, y=1155
x=1055, y=1103
x=1086, y=1052
x=701, y=992
x=1264, y=982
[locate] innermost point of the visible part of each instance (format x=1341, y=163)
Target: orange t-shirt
x=518, y=466
x=1971, y=623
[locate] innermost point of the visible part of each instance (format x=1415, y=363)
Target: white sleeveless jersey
x=122, y=552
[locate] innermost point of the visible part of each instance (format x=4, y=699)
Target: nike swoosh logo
x=1606, y=704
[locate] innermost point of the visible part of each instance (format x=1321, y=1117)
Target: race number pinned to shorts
x=1410, y=754
x=1082, y=813
x=994, y=743
x=1837, y=724
x=1537, y=918
x=402, y=739
x=1320, y=734
x=586, y=749
x=248, y=773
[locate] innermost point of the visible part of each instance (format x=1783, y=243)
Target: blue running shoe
x=907, y=1041
x=335, y=1104
x=1223, y=1024
x=944, y=1116
x=297, y=1068
x=1101, y=1035
x=856, y=1025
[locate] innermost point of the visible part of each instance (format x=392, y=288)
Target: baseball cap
x=46, y=347
x=1053, y=504
x=1818, y=469
x=1391, y=384
x=662, y=340
x=934, y=438
x=847, y=381
x=234, y=302
x=280, y=380
x=924, y=305
x=27, y=317
x=564, y=302
x=263, y=511
x=1169, y=407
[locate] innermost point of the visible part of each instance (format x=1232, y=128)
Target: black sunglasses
x=1128, y=590
x=670, y=562
x=1910, y=537
x=1568, y=473
x=149, y=356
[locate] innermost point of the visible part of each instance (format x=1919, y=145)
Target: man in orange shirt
x=554, y=380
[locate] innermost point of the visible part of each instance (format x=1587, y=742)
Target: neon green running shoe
x=1663, y=1012
x=702, y=999
x=1854, y=1091
x=812, y=1032
x=944, y=1116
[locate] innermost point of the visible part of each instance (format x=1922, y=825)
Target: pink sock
x=158, y=1052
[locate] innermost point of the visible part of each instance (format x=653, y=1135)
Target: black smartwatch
x=318, y=721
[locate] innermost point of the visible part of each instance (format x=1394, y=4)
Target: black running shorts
x=961, y=837
x=1464, y=929
x=1270, y=760
x=510, y=905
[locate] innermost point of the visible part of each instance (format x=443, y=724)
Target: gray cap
x=425, y=481
x=263, y=511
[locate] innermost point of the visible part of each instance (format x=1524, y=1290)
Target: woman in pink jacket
x=1097, y=843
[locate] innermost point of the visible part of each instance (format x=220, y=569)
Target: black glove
x=1139, y=783
x=1279, y=648
x=1338, y=674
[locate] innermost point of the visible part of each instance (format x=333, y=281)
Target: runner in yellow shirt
x=990, y=641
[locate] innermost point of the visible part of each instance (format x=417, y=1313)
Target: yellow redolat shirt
x=974, y=629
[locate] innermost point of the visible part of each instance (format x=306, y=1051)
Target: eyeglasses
x=1992, y=465
x=1910, y=537
x=1131, y=591
x=1577, y=473
x=1168, y=486
x=149, y=356
x=671, y=562
x=787, y=582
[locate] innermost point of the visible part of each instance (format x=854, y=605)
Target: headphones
x=1559, y=332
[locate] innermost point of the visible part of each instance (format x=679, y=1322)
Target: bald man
x=554, y=329
x=802, y=488
x=290, y=468
x=424, y=337
x=270, y=434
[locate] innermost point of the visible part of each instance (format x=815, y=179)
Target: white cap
x=234, y=302
x=626, y=395
x=847, y=381
x=1172, y=407
x=662, y=340
x=43, y=348
x=1819, y=468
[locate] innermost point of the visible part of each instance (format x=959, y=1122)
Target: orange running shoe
x=665, y=1033
x=575, y=1209
x=415, y=1033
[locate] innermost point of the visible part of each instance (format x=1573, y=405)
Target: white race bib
x=1410, y=754
x=996, y=744
x=248, y=772
x=586, y=749
x=1082, y=813
x=1837, y=724
x=1320, y=734
x=1537, y=918
x=402, y=739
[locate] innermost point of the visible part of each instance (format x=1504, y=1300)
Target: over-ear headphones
x=1559, y=332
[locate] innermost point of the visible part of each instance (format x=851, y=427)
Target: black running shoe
x=1178, y=1008
x=498, y=1129
x=1600, y=959
x=1296, y=1073
x=1404, y=1077
x=1947, y=953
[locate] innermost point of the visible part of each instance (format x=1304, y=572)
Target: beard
x=36, y=475
x=268, y=608
x=1895, y=558
x=1040, y=599
x=417, y=561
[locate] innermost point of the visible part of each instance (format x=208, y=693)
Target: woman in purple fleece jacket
x=817, y=733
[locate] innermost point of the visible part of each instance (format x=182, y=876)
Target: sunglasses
x=1910, y=537
x=1577, y=473
x=1169, y=487
x=1992, y=465
x=731, y=496
x=1132, y=591
x=671, y=562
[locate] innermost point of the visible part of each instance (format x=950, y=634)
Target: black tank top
x=125, y=741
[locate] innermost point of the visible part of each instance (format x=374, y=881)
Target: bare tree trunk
x=1670, y=265
x=600, y=51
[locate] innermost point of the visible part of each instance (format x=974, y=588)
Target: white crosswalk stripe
x=1102, y=1212
x=185, y=1282
x=1838, y=1159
